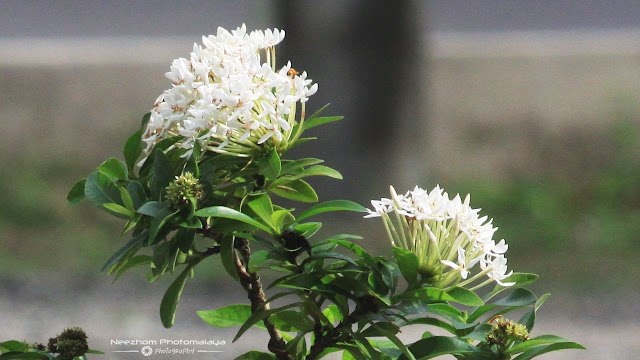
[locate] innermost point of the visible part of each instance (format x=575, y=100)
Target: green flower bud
x=183, y=189
x=70, y=343
x=505, y=331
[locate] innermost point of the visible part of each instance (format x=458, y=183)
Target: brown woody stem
x=250, y=281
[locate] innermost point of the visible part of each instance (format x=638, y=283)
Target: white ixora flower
x=448, y=237
x=229, y=97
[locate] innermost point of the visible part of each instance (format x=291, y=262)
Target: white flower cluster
x=226, y=98
x=448, y=236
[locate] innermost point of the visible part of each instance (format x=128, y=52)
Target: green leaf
x=332, y=205
x=184, y=239
x=437, y=346
x=329, y=255
x=158, y=223
x=479, y=333
x=119, y=209
x=227, y=256
x=132, y=262
x=317, y=170
x=76, y=194
x=23, y=356
x=528, y=320
x=256, y=355
x=113, y=168
x=297, y=190
x=534, y=342
x=272, y=166
x=13, y=346
x=232, y=315
x=228, y=213
x=133, y=149
x=477, y=313
x=172, y=296
x=163, y=174
x=127, y=201
x=313, y=122
x=154, y=208
x=408, y=264
x=520, y=279
x=423, y=294
x=259, y=316
x=465, y=296
x=290, y=320
x=281, y=218
x=134, y=242
x=541, y=300
x=100, y=190
x=333, y=314
x=356, y=249
x=519, y=297
x=263, y=207
x=295, y=166
x=434, y=322
x=530, y=354
x=137, y=193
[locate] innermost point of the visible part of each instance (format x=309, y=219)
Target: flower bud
x=183, y=189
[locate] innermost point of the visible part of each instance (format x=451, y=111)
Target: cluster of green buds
x=505, y=332
x=69, y=344
x=184, y=190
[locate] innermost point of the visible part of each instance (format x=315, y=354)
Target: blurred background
x=532, y=107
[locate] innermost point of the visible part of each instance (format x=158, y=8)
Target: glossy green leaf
x=356, y=249
x=434, y=322
x=329, y=255
x=520, y=279
x=272, y=166
x=518, y=297
x=479, y=333
x=113, y=168
x=163, y=174
x=13, y=345
x=541, y=300
x=437, y=346
x=256, y=355
x=297, y=190
x=534, y=342
x=133, y=149
x=290, y=320
x=281, y=218
x=528, y=320
x=332, y=205
x=543, y=349
x=23, y=356
x=137, y=194
x=232, y=315
x=408, y=264
x=100, y=190
x=184, y=239
x=133, y=262
x=228, y=213
x=76, y=194
x=172, y=296
x=134, y=242
x=263, y=207
x=158, y=223
x=119, y=209
x=154, y=208
x=465, y=296
x=313, y=122
x=228, y=257
x=317, y=170
x=260, y=316
x=127, y=201
x=477, y=313
x=293, y=167
x=423, y=294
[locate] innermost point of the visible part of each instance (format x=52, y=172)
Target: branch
x=252, y=284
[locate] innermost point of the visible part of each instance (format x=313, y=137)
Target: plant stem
x=252, y=284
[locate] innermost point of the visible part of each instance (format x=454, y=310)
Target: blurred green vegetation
x=582, y=229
